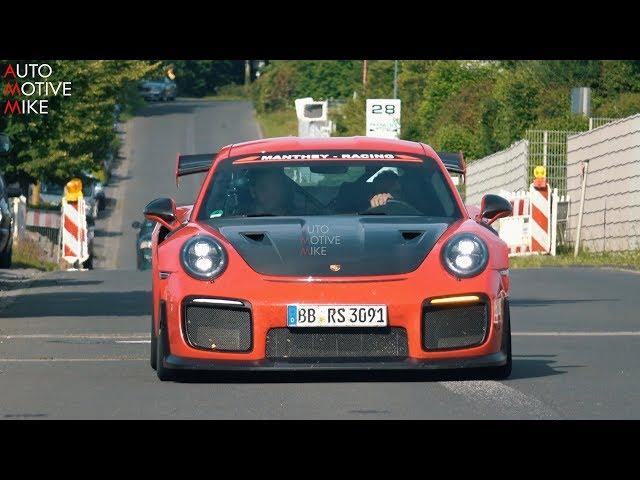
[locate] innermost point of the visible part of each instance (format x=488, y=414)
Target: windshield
x=310, y=188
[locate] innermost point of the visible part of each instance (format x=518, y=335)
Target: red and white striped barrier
x=514, y=230
x=540, y=224
x=74, y=232
x=42, y=218
x=531, y=229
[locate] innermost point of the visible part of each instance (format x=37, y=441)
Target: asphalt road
x=76, y=344
x=147, y=167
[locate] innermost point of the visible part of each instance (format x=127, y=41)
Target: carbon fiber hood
x=333, y=245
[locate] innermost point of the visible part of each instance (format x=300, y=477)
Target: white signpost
x=383, y=118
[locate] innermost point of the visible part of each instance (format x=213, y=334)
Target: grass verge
x=230, y=92
x=628, y=260
x=27, y=254
x=279, y=123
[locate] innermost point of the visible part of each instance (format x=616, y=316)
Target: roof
x=282, y=144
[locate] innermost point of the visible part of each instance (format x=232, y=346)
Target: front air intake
x=218, y=328
x=448, y=327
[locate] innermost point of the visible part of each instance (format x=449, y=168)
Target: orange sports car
x=328, y=253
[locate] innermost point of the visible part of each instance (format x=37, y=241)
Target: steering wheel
x=394, y=207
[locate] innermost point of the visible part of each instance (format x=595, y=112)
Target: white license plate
x=336, y=315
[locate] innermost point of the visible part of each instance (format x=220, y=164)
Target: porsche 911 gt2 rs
x=328, y=254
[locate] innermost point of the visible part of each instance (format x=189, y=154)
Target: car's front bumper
x=152, y=95
x=485, y=361
x=267, y=300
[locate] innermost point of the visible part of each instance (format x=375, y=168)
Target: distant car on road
x=161, y=89
x=143, y=243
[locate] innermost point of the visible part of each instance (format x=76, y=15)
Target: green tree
x=203, y=77
x=78, y=131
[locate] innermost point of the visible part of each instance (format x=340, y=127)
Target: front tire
x=5, y=257
x=503, y=372
x=154, y=347
x=162, y=350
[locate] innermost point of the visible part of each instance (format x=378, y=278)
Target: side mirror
x=136, y=225
x=13, y=192
x=162, y=210
x=5, y=144
x=494, y=207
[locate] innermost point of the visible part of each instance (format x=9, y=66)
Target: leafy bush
x=198, y=78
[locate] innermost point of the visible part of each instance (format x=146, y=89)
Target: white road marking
x=133, y=341
x=78, y=336
x=489, y=396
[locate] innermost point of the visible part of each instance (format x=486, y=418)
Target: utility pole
x=364, y=74
x=247, y=72
x=395, y=79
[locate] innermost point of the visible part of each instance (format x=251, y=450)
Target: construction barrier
x=75, y=246
x=42, y=218
x=532, y=228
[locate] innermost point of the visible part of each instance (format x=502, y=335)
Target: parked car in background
x=6, y=212
x=92, y=191
x=143, y=243
x=160, y=89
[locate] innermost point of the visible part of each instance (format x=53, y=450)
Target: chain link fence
x=549, y=148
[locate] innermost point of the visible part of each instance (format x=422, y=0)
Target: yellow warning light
x=540, y=177
x=73, y=190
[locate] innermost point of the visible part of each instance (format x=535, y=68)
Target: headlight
x=465, y=255
x=145, y=244
x=203, y=257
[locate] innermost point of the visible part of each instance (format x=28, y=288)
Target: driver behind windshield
x=271, y=192
x=386, y=186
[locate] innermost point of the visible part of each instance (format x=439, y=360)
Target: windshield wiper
x=371, y=213
x=260, y=215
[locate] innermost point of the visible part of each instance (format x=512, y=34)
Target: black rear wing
x=453, y=162
x=201, y=162
x=189, y=164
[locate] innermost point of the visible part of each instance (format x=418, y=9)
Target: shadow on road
x=527, y=367
x=48, y=282
x=536, y=366
x=155, y=110
x=103, y=233
x=82, y=304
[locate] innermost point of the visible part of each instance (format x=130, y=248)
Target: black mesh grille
x=329, y=343
x=454, y=326
x=218, y=328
